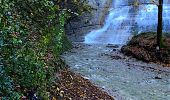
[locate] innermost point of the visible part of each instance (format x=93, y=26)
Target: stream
x=99, y=58
x=124, y=78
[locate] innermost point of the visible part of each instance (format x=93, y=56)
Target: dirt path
x=123, y=77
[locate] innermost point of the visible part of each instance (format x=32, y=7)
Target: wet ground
x=123, y=77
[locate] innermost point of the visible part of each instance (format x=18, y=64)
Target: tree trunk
x=159, y=27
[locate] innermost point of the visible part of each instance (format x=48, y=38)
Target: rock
x=114, y=50
x=80, y=26
x=112, y=46
x=158, y=77
x=116, y=57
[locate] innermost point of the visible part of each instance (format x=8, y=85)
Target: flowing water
x=123, y=77
x=125, y=19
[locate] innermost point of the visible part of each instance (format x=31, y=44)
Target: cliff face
x=79, y=27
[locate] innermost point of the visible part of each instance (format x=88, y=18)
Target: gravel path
x=123, y=77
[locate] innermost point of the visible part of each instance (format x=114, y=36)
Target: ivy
x=32, y=36
x=6, y=87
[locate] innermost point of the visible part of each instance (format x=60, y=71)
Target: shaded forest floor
x=143, y=47
x=73, y=86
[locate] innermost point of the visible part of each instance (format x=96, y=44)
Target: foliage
x=32, y=37
x=6, y=88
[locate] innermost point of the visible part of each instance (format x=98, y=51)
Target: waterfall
x=124, y=19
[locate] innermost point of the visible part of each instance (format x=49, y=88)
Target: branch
x=155, y=2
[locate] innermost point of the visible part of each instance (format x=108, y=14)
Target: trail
x=123, y=77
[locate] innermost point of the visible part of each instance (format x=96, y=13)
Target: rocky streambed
x=124, y=78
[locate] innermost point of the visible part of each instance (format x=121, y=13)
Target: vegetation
x=31, y=38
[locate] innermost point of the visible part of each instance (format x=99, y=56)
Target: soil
x=73, y=86
x=143, y=47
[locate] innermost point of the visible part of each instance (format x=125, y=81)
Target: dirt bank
x=143, y=47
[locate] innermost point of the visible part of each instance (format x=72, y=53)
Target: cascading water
x=124, y=19
x=113, y=31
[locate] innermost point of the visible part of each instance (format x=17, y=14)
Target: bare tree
x=159, y=27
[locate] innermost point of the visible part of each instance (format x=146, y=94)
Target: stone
x=158, y=77
x=112, y=46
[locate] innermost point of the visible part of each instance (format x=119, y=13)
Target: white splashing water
x=124, y=20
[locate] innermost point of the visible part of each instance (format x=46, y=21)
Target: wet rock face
x=80, y=26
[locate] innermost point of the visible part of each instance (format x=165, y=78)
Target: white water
x=124, y=20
